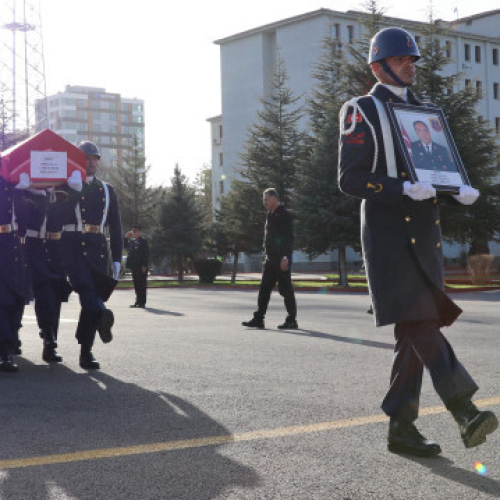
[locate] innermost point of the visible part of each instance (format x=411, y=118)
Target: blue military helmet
x=89, y=148
x=392, y=42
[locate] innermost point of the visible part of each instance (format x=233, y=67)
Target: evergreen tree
x=180, y=232
x=239, y=223
x=356, y=77
x=476, y=224
x=327, y=219
x=274, y=144
x=138, y=202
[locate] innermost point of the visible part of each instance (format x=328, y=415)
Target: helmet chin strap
x=391, y=73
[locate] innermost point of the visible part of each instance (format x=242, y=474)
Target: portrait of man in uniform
x=428, y=154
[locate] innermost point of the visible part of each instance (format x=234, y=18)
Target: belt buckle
x=5, y=229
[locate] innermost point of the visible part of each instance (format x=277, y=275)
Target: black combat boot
x=6, y=363
x=87, y=360
x=474, y=425
x=404, y=437
x=289, y=324
x=256, y=322
x=49, y=353
x=106, y=321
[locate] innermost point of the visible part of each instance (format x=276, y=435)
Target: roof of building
x=477, y=16
x=353, y=14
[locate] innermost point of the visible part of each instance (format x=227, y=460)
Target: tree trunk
x=343, y=281
x=235, y=267
x=180, y=269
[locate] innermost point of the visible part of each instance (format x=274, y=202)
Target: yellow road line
x=215, y=440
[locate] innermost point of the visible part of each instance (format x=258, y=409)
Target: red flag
x=407, y=140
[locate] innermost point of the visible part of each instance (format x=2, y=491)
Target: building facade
x=113, y=122
x=248, y=60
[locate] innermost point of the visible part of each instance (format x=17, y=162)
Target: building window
x=220, y=131
x=467, y=83
x=477, y=53
x=336, y=31
x=495, y=57
x=447, y=49
x=495, y=90
x=221, y=187
x=479, y=88
x=497, y=125
x=221, y=159
x=350, y=33
x=467, y=52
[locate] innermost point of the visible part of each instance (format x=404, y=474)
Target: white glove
x=38, y=192
x=419, y=190
x=468, y=195
x=75, y=180
x=116, y=270
x=24, y=181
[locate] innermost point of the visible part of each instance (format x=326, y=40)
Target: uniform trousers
x=140, y=285
x=9, y=325
x=270, y=275
x=421, y=344
x=92, y=305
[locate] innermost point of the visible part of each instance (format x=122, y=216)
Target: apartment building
x=111, y=121
x=248, y=59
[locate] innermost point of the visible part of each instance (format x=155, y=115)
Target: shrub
x=207, y=269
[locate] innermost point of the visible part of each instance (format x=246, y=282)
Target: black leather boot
x=6, y=363
x=256, y=322
x=474, y=425
x=87, y=360
x=49, y=353
x=404, y=437
x=106, y=321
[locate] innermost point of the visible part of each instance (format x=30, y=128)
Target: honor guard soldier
x=137, y=262
x=85, y=254
x=45, y=264
x=13, y=289
x=402, y=248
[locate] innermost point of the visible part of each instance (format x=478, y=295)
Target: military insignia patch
x=408, y=43
x=375, y=50
x=436, y=124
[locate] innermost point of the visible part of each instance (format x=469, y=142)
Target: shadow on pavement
x=162, y=312
x=444, y=467
x=337, y=338
x=50, y=409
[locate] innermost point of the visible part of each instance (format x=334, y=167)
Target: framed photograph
x=427, y=146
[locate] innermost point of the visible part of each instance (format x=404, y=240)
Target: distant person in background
x=278, y=247
x=137, y=262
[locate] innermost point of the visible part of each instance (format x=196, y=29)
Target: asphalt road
x=189, y=404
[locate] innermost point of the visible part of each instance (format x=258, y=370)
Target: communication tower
x=22, y=71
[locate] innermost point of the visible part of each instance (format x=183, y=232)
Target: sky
x=163, y=52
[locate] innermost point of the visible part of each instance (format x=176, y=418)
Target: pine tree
x=327, y=219
x=356, y=77
x=274, y=144
x=180, y=232
x=239, y=223
x=476, y=224
x=138, y=202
